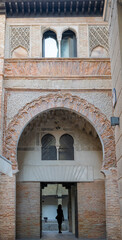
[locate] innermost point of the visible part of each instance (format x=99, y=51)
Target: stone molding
x=57, y=68
x=65, y=101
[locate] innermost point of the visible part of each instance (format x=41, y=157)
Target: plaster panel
x=99, y=84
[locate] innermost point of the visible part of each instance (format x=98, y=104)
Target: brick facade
x=112, y=205
x=28, y=210
x=91, y=210
x=7, y=207
x=56, y=84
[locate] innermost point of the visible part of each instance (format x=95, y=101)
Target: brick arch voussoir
x=68, y=101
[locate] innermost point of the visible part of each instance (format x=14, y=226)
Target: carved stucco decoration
x=19, y=37
x=61, y=68
x=98, y=36
x=66, y=101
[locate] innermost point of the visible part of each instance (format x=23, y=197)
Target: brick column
x=7, y=207
x=2, y=40
x=112, y=205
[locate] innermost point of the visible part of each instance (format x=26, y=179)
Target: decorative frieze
x=63, y=68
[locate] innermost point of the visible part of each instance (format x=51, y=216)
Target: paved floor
x=64, y=235
x=51, y=235
x=55, y=236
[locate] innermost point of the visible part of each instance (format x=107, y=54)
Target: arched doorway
x=97, y=119
x=60, y=148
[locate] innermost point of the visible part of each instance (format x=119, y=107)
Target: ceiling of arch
x=60, y=121
x=88, y=151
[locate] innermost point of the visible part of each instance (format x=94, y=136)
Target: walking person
x=60, y=217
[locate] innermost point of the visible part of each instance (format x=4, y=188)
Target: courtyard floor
x=56, y=236
x=53, y=235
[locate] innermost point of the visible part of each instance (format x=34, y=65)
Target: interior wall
x=28, y=210
x=49, y=208
x=91, y=210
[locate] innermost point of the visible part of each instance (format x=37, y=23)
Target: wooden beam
x=53, y=5
x=83, y=7
x=71, y=3
x=59, y=9
x=10, y=7
x=29, y=7
x=2, y=8
x=101, y=6
x=34, y=7
x=95, y=6
x=77, y=6
x=89, y=7
x=47, y=7
x=23, y=10
x=65, y=5
x=16, y=5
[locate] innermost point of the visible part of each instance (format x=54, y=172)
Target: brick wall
x=115, y=39
x=7, y=208
x=28, y=210
x=2, y=36
x=112, y=205
x=91, y=210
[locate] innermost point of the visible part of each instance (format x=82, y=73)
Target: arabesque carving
x=98, y=36
x=66, y=101
x=58, y=68
x=20, y=36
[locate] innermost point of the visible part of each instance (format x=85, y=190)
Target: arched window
x=49, y=147
x=49, y=45
x=68, y=45
x=66, y=149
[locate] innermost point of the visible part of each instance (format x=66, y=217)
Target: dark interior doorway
x=53, y=194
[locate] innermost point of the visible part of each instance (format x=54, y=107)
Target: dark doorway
x=52, y=195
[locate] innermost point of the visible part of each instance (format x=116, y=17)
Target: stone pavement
x=65, y=236
x=53, y=235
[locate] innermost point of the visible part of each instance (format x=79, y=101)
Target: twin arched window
x=65, y=151
x=51, y=47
